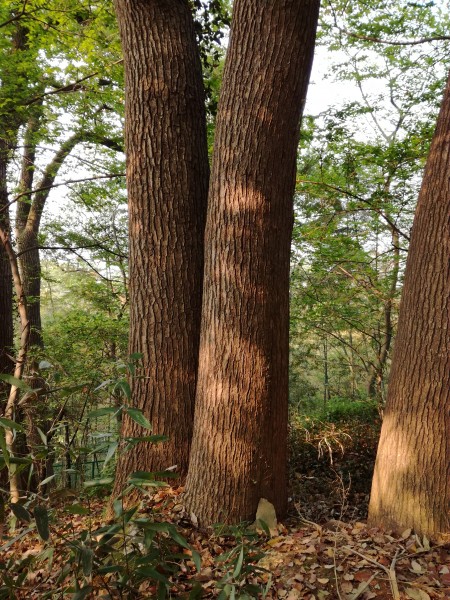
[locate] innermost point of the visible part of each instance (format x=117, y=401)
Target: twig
x=363, y=587
x=389, y=572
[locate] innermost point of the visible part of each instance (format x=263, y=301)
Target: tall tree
x=12, y=49
x=167, y=179
x=411, y=483
x=240, y=431
x=37, y=86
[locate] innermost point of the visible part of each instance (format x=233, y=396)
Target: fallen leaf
x=406, y=534
x=346, y=587
x=417, y=594
x=416, y=567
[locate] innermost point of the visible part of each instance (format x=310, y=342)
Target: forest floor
x=323, y=550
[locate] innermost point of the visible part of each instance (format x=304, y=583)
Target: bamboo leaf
x=138, y=417
x=4, y=448
x=41, y=518
x=8, y=424
x=19, y=383
x=101, y=412
x=87, y=557
x=20, y=512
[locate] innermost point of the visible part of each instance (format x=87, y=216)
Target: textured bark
x=28, y=220
x=10, y=124
x=11, y=404
x=411, y=484
x=6, y=296
x=167, y=179
x=239, y=446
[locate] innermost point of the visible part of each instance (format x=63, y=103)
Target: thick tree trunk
x=167, y=179
x=239, y=446
x=6, y=295
x=30, y=272
x=411, y=484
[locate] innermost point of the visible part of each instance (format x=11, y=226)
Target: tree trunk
x=239, y=447
x=11, y=404
x=6, y=296
x=411, y=484
x=376, y=376
x=167, y=179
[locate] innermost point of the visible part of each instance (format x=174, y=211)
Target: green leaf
x=41, y=518
x=151, y=573
x=42, y=436
x=47, y=479
x=19, y=383
x=8, y=424
x=20, y=512
x=196, y=559
x=111, y=451
x=103, y=384
x=144, y=475
x=4, y=448
x=87, y=557
x=124, y=386
x=155, y=439
x=77, y=509
x=83, y=592
x=99, y=482
x=110, y=569
x=101, y=412
x=238, y=567
x=138, y=417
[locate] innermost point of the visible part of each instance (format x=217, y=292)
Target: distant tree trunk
x=411, y=484
x=326, y=380
x=376, y=374
x=167, y=179
x=239, y=447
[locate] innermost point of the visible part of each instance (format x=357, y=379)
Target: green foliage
x=240, y=564
x=130, y=551
x=341, y=410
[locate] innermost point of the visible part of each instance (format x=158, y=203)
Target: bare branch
x=389, y=221
x=16, y=17
x=74, y=248
x=55, y=185
x=72, y=87
x=368, y=38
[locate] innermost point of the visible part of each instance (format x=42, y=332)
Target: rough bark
x=10, y=123
x=411, y=484
x=167, y=180
x=11, y=404
x=239, y=447
x=6, y=296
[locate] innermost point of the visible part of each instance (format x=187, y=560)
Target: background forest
x=377, y=83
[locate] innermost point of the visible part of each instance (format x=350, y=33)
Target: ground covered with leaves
x=322, y=551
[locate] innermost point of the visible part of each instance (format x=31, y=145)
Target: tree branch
x=368, y=38
x=74, y=86
x=55, y=185
x=389, y=221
